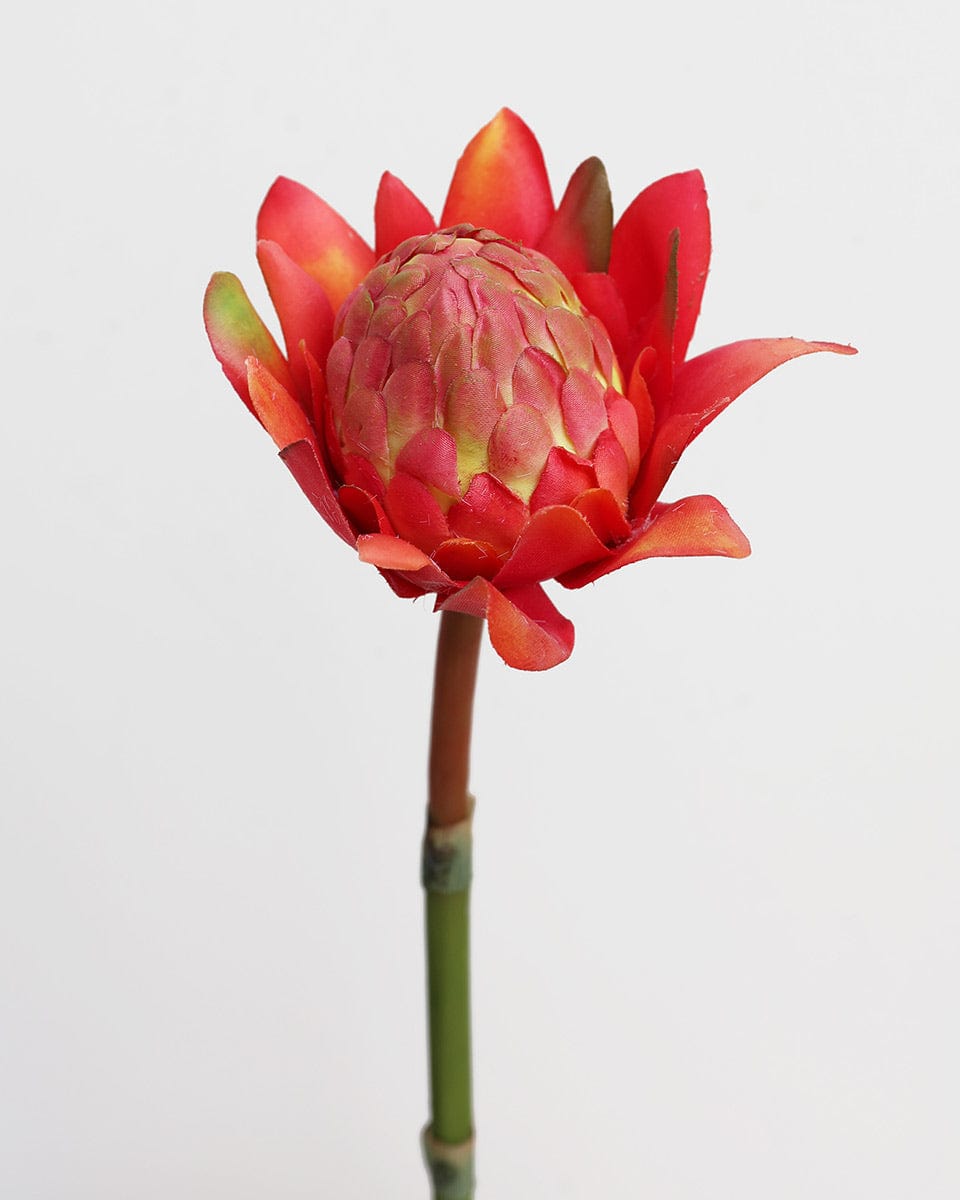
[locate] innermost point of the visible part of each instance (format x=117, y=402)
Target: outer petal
x=501, y=183
x=391, y=553
x=316, y=237
x=555, y=540
x=398, y=215
x=704, y=387
x=525, y=628
x=308, y=470
x=697, y=525
x=640, y=251
x=578, y=237
x=236, y=333
x=278, y=412
x=303, y=308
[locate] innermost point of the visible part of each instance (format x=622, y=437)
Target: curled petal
x=703, y=389
x=236, y=333
x=316, y=237
x=525, y=628
x=501, y=183
x=398, y=215
x=697, y=525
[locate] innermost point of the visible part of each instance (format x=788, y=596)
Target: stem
x=448, y=914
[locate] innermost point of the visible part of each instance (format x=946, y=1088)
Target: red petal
x=599, y=294
x=431, y=457
x=555, y=540
x=316, y=237
x=584, y=412
x=364, y=430
x=501, y=182
x=462, y=559
x=364, y=511
x=578, y=237
x=703, y=389
x=302, y=306
x=640, y=251
x=610, y=464
x=518, y=449
x=695, y=526
x=563, y=479
x=398, y=215
x=236, y=333
x=411, y=399
x=639, y=396
x=489, y=512
x=525, y=628
x=308, y=470
x=415, y=513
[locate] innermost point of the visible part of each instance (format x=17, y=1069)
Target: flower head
x=496, y=399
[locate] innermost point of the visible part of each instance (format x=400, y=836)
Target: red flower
x=496, y=399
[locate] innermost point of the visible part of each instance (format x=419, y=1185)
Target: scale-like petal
x=236, y=333
x=525, y=628
x=316, y=237
x=501, y=183
x=398, y=215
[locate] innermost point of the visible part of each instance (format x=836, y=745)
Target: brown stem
x=458, y=648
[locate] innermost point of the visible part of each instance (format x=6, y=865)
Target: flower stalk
x=448, y=1140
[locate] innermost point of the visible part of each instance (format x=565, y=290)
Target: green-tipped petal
x=236, y=333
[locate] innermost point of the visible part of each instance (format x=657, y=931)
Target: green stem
x=448, y=913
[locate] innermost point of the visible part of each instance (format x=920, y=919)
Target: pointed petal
x=640, y=251
x=555, y=540
x=695, y=526
x=316, y=237
x=501, y=183
x=578, y=237
x=525, y=629
x=236, y=333
x=604, y=516
x=600, y=296
x=703, y=389
x=308, y=470
x=303, y=308
x=564, y=478
x=489, y=512
x=415, y=513
x=398, y=215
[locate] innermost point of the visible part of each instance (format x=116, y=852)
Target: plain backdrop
x=716, y=906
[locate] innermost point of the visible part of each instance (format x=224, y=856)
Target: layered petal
x=308, y=469
x=501, y=183
x=525, y=628
x=316, y=237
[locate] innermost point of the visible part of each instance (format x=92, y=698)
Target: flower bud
x=467, y=388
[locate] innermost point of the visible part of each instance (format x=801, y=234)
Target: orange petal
x=697, y=525
x=501, y=183
x=525, y=629
x=278, y=412
x=316, y=237
x=392, y=553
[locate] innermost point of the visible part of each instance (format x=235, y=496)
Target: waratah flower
x=497, y=399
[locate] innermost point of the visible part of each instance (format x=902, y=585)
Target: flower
x=497, y=399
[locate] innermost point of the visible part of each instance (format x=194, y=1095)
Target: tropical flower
x=495, y=399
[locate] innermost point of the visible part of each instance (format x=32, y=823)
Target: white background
x=716, y=912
